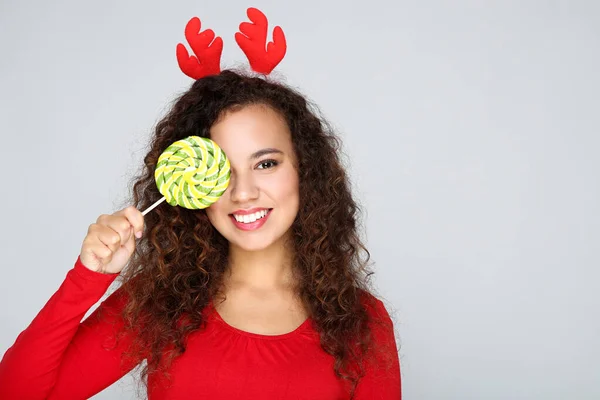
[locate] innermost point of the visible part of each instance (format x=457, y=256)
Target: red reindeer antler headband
x=252, y=39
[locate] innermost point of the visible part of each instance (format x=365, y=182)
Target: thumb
x=130, y=243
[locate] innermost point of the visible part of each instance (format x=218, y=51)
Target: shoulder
x=374, y=306
x=381, y=360
x=379, y=321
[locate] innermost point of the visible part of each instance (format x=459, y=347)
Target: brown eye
x=267, y=164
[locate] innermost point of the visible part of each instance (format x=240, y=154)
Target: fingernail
x=138, y=234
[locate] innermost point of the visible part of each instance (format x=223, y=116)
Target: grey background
x=471, y=128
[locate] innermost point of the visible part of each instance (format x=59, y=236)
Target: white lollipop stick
x=153, y=206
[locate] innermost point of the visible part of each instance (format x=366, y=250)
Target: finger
x=130, y=245
x=94, y=246
x=108, y=237
x=101, y=233
x=124, y=220
x=136, y=219
x=117, y=222
x=121, y=225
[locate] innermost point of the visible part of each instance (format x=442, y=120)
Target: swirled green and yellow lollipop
x=191, y=173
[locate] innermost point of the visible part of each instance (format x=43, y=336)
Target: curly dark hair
x=179, y=263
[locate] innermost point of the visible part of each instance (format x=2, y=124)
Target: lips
x=250, y=226
x=249, y=211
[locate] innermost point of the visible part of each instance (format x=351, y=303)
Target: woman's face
x=261, y=201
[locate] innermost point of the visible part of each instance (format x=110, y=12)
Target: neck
x=267, y=269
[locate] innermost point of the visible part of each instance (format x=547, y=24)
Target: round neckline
x=280, y=336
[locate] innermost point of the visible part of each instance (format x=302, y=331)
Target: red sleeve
x=382, y=378
x=59, y=357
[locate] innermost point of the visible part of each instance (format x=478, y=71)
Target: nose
x=242, y=187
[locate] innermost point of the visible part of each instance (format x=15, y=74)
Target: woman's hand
x=110, y=242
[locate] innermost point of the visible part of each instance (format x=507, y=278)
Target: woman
x=263, y=295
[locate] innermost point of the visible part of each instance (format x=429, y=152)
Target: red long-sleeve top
x=59, y=357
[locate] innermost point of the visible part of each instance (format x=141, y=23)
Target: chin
x=250, y=246
x=252, y=243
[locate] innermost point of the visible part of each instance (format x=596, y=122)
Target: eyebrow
x=263, y=152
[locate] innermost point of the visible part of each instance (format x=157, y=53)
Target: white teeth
x=246, y=219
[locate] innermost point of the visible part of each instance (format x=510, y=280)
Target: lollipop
x=191, y=173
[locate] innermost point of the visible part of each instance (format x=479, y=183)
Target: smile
x=248, y=218
x=250, y=222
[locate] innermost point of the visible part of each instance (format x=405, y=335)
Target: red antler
x=208, y=56
x=253, y=38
